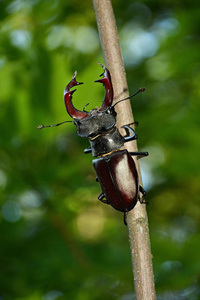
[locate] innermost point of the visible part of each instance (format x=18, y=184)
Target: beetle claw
x=107, y=83
x=72, y=111
x=104, y=69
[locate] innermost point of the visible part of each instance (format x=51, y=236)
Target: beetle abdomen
x=118, y=178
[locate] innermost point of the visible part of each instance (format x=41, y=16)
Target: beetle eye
x=111, y=111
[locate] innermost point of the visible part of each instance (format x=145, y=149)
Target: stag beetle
x=98, y=125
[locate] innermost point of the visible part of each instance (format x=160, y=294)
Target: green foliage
x=57, y=240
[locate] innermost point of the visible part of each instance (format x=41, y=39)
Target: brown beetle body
x=118, y=177
x=116, y=170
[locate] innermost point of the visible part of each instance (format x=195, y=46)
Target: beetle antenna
x=44, y=126
x=139, y=91
x=85, y=107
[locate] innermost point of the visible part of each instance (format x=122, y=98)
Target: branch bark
x=137, y=220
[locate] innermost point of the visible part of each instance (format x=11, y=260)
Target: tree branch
x=137, y=220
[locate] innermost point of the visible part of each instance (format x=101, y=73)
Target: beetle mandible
x=106, y=143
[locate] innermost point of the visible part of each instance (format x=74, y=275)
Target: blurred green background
x=57, y=241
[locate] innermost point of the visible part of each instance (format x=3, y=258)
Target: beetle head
x=95, y=124
x=96, y=120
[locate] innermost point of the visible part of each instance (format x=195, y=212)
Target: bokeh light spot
x=11, y=211
x=94, y=217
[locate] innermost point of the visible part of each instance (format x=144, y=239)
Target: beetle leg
x=143, y=192
x=102, y=198
x=88, y=150
x=139, y=154
x=129, y=137
x=125, y=216
x=133, y=123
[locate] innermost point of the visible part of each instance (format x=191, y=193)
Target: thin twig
x=137, y=218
